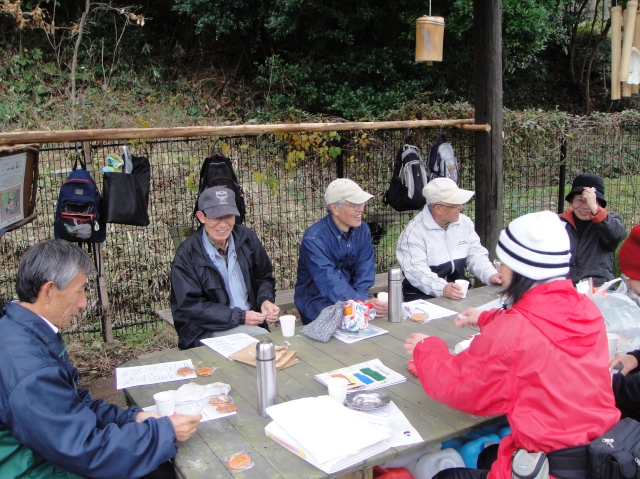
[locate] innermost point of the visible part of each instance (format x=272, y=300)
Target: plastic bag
x=621, y=314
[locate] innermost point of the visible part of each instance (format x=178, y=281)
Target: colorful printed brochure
x=365, y=376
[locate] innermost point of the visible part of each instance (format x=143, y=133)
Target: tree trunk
x=76, y=48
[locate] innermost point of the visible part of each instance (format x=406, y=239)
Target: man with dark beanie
x=594, y=232
x=626, y=388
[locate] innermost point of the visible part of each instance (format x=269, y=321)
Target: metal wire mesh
x=284, y=178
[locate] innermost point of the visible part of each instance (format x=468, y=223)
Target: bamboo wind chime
x=429, y=38
x=625, y=50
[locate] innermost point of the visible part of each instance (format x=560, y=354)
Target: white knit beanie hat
x=536, y=246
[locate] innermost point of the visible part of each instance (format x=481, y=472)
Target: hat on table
x=629, y=254
x=536, y=246
x=344, y=189
x=445, y=190
x=588, y=180
x=218, y=201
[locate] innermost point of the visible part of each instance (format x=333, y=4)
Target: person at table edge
x=594, y=232
x=626, y=387
x=437, y=245
x=49, y=427
x=221, y=277
x=519, y=363
x=336, y=261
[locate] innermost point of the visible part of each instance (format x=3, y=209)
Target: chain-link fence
x=284, y=177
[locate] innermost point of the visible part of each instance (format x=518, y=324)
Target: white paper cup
x=613, y=343
x=338, y=388
x=288, y=325
x=464, y=284
x=165, y=402
x=384, y=297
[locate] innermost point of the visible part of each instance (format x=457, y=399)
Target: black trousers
x=164, y=471
x=485, y=460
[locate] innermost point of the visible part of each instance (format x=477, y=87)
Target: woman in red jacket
x=542, y=361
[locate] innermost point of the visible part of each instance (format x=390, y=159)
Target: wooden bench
x=284, y=299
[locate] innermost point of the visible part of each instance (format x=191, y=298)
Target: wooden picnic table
x=204, y=454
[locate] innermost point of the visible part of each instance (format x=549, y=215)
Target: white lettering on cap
x=222, y=197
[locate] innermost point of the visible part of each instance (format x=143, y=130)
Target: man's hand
x=381, y=307
x=589, y=198
x=468, y=317
x=628, y=361
x=142, y=416
x=452, y=291
x=412, y=341
x=184, y=426
x=270, y=310
x=254, y=319
x=495, y=279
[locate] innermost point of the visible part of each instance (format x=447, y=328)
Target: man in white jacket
x=439, y=243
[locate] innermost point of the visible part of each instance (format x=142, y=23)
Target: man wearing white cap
x=221, y=277
x=336, y=261
x=439, y=243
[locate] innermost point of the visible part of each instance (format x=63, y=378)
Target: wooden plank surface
x=205, y=454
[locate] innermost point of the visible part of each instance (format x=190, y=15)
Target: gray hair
x=340, y=204
x=52, y=260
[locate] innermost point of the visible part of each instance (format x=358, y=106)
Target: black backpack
x=218, y=171
x=78, y=213
x=442, y=161
x=409, y=177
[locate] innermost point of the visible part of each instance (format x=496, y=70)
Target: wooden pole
x=487, y=24
x=62, y=136
x=635, y=89
x=616, y=50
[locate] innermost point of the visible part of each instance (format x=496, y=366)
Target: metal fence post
x=563, y=173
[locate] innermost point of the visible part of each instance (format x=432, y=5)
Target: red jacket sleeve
x=477, y=380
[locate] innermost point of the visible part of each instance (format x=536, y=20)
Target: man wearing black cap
x=594, y=232
x=221, y=278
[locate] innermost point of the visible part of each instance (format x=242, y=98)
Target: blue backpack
x=78, y=215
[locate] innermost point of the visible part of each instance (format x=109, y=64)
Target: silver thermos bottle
x=266, y=364
x=395, y=295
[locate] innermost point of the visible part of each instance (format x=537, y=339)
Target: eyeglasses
x=229, y=219
x=577, y=201
x=358, y=207
x=497, y=264
x=458, y=207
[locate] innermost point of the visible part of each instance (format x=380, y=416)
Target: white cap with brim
x=218, y=201
x=344, y=189
x=445, y=190
x=536, y=246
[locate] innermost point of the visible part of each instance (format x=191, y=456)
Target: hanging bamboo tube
x=627, y=40
x=635, y=89
x=626, y=88
x=616, y=50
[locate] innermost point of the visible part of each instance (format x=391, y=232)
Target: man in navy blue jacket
x=49, y=428
x=336, y=261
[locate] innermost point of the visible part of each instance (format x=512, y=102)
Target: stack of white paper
x=325, y=433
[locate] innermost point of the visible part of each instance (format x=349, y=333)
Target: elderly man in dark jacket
x=49, y=427
x=594, y=232
x=221, y=278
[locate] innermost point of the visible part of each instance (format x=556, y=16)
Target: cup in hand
x=464, y=284
x=384, y=297
x=165, y=402
x=338, y=388
x=613, y=343
x=288, y=325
